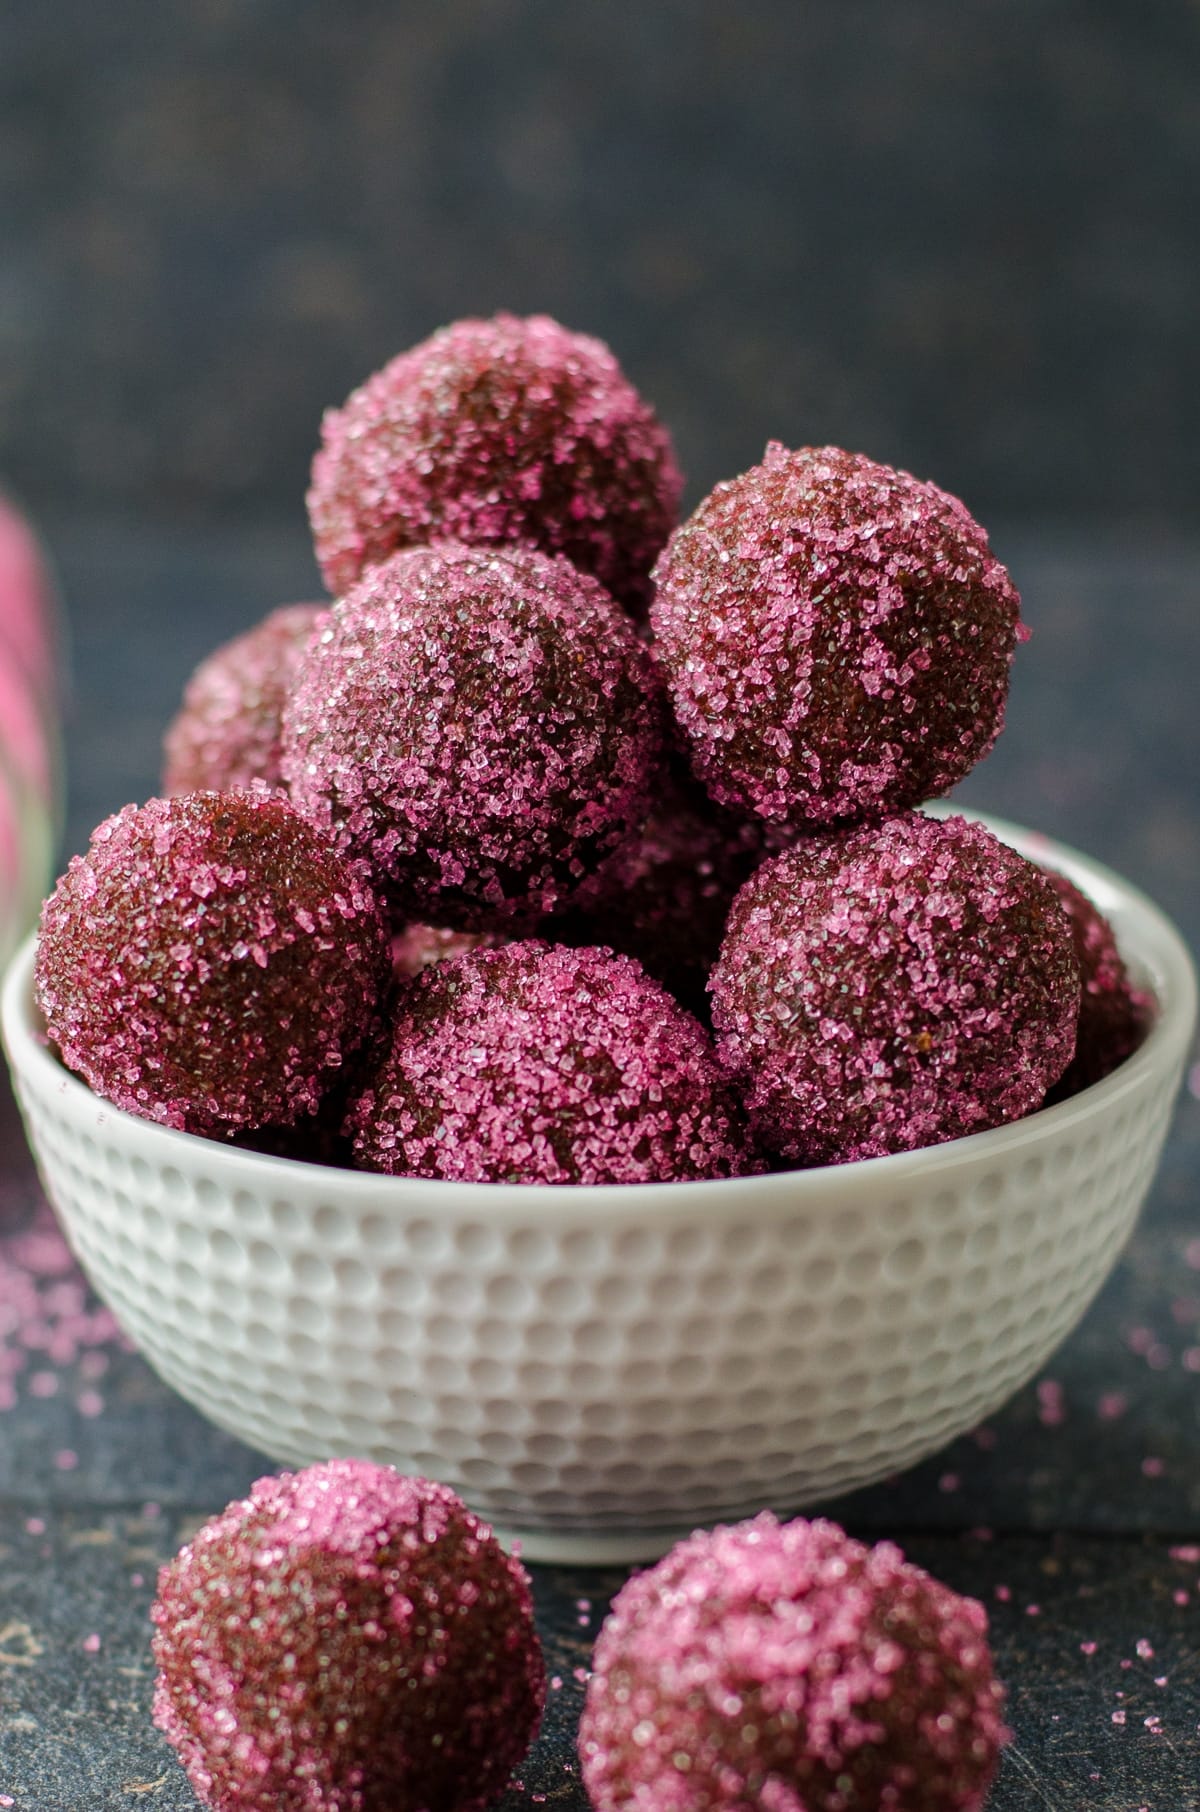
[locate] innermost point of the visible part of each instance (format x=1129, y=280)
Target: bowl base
x=614, y=1548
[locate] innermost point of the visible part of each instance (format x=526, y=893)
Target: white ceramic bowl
x=598, y=1370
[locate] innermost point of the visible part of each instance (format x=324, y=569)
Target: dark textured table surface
x=1074, y=1516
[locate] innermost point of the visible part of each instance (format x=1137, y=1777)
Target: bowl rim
x=1156, y=951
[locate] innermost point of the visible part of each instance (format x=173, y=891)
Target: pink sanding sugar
x=664, y=896
x=46, y=1313
x=540, y=1064
x=481, y=727
x=836, y=638
x=497, y=431
x=890, y=987
x=417, y=947
x=1114, y=1015
x=346, y=1640
x=226, y=733
x=210, y=963
x=787, y=1667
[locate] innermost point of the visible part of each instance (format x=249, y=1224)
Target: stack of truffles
x=570, y=846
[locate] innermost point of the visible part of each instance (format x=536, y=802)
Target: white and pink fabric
x=29, y=779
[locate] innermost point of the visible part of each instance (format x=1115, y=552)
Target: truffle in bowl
x=598, y=1369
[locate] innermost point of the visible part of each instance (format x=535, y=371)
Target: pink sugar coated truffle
x=210, y=963
x=665, y=895
x=534, y=1063
x=417, y=947
x=1114, y=1016
x=787, y=1667
x=226, y=733
x=893, y=986
x=346, y=1640
x=836, y=637
x=480, y=726
x=497, y=431
x=316, y=1139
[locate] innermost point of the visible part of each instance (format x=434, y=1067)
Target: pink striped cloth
x=28, y=725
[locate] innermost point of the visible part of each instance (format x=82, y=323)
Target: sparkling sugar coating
x=226, y=732
x=665, y=895
x=417, y=947
x=347, y=1640
x=494, y=431
x=789, y=1668
x=1114, y=1016
x=534, y=1063
x=480, y=726
x=892, y=986
x=210, y=963
x=836, y=637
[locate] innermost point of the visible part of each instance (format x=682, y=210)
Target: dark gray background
x=959, y=237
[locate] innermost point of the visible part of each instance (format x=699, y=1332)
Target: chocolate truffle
x=892, y=986
x=226, y=733
x=665, y=895
x=417, y=947
x=481, y=726
x=836, y=637
x=496, y=431
x=787, y=1666
x=346, y=1640
x=534, y=1063
x=1114, y=1016
x=210, y=963
x=316, y=1139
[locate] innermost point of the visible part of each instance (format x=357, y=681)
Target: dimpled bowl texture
x=598, y=1370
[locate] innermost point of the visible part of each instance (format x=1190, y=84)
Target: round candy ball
x=893, y=986
x=496, y=431
x=535, y=1063
x=788, y=1666
x=836, y=638
x=418, y=947
x=346, y=1640
x=226, y=733
x=210, y=963
x=1113, y=1014
x=480, y=726
x=664, y=896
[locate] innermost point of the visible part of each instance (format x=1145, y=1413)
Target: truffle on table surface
x=346, y=1640
x=481, y=727
x=211, y=962
x=892, y=986
x=535, y=1063
x=494, y=431
x=836, y=638
x=791, y=1668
